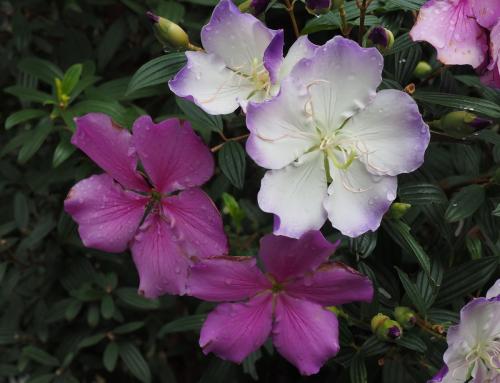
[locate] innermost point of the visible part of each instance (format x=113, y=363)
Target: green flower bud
x=423, y=69
x=461, y=124
x=405, y=316
x=169, y=33
x=398, y=210
x=385, y=328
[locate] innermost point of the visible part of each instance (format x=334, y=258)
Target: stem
x=363, y=6
x=343, y=19
x=235, y=139
x=289, y=8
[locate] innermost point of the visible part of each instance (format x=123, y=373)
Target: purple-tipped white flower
x=243, y=61
x=473, y=353
x=332, y=144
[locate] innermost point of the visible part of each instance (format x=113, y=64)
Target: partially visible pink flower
x=473, y=353
x=486, y=12
x=285, y=303
x=450, y=26
x=492, y=75
x=110, y=207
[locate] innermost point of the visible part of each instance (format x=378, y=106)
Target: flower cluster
x=461, y=31
x=333, y=148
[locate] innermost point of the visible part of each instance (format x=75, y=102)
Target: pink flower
x=450, y=26
x=492, y=75
x=110, y=207
x=286, y=302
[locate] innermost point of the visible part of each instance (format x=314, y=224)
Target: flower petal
x=358, y=199
x=109, y=146
x=294, y=194
x=161, y=263
x=487, y=12
x=332, y=284
x=449, y=26
x=234, y=330
x=173, y=156
x=207, y=82
x=107, y=215
x=286, y=257
x=305, y=333
x=301, y=48
x=341, y=78
x=494, y=291
x=221, y=279
x=237, y=38
x=389, y=134
x=196, y=223
x=273, y=56
x=280, y=129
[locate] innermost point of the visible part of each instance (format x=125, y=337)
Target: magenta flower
x=286, y=302
x=243, y=61
x=492, y=75
x=451, y=27
x=110, y=207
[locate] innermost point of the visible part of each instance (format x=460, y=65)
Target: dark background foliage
x=71, y=314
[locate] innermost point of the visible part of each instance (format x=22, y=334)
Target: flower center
x=488, y=353
x=260, y=76
x=340, y=155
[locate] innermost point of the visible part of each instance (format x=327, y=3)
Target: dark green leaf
x=135, y=362
x=130, y=297
x=421, y=194
x=201, y=120
x=107, y=307
x=232, y=162
x=35, y=141
x=22, y=116
x=28, y=94
x=128, y=327
x=110, y=356
x=42, y=69
x=40, y=356
x=412, y=291
x=357, y=370
x=187, y=323
x=71, y=78
x=157, y=71
x=412, y=341
x=91, y=340
x=464, y=203
x=21, y=210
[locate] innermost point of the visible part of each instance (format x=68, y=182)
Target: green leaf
x=472, y=104
x=21, y=210
x=42, y=228
x=187, y=323
x=157, y=71
x=73, y=309
x=421, y=194
x=466, y=278
x=40, y=356
x=34, y=141
x=111, y=41
x=128, y=327
x=201, y=120
x=91, y=340
x=405, y=62
x=29, y=94
x=42, y=69
x=63, y=151
x=374, y=346
x=114, y=109
x=412, y=291
x=93, y=316
x=22, y=116
x=129, y=296
x=465, y=203
x=401, y=43
x=249, y=364
x=71, y=78
x=357, y=370
x=44, y=378
x=364, y=244
x=232, y=162
x=443, y=317
x=134, y=361
x=107, y=307
x=411, y=341
x=496, y=212
x=407, y=5
x=110, y=356
x=394, y=372
x=400, y=232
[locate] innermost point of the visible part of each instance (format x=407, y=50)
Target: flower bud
x=461, y=123
x=167, y=32
x=398, y=210
x=405, y=316
x=385, y=328
x=336, y=4
x=423, y=69
x=318, y=7
x=255, y=7
x=380, y=37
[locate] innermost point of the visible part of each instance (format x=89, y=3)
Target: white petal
x=206, y=81
x=389, y=134
x=358, y=199
x=280, y=129
x=342, y=78
x=301, y=48
x=294, y=194
x=494, y=290
x=238, y=38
